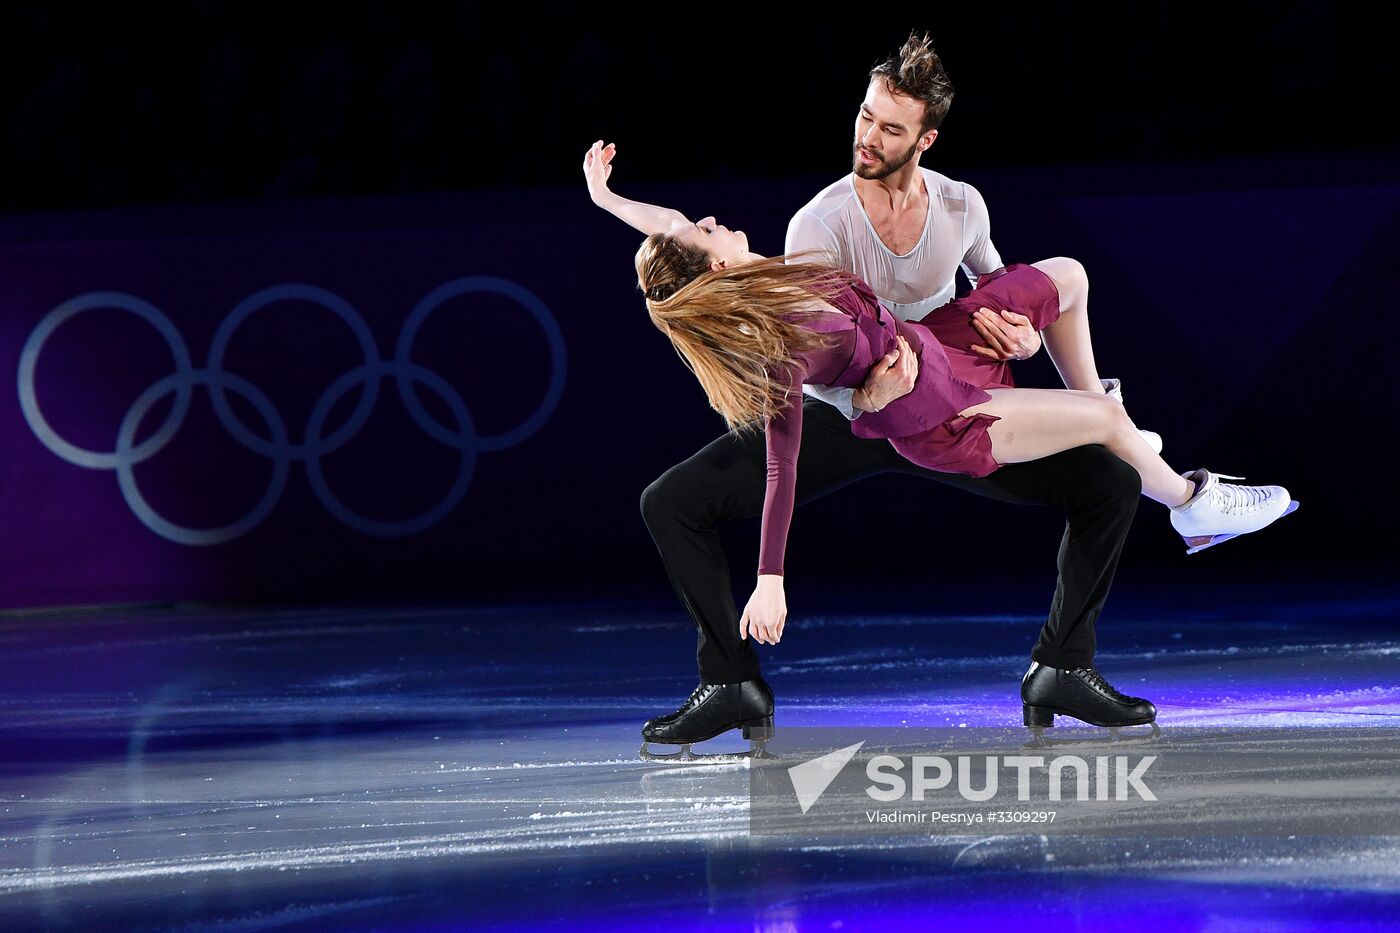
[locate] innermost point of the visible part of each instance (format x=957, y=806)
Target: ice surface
x=411, y=769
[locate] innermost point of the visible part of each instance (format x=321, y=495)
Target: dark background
x=116, y=104
x=302, y=120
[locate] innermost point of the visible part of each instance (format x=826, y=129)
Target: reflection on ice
x=386, y=769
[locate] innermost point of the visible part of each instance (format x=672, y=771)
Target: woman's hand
x=597, y=166
x=648, y=218
x=766, y=613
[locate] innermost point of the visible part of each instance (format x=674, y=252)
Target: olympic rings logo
x=277, y=443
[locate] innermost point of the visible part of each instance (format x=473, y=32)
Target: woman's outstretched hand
x=648, y=218
x=766, y=613
x=597, y=166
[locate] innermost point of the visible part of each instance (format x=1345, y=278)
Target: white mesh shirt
x=956, y=234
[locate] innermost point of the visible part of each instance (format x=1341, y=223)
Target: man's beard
x=881, y=168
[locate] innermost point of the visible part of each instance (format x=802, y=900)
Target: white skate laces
x=1227, y=496
x=1221, y=511
x=1235, y=499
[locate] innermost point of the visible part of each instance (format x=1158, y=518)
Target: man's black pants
x=1097, y=492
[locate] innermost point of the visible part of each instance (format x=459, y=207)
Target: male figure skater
x=905, y=230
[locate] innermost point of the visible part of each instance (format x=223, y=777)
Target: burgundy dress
x=924, y=425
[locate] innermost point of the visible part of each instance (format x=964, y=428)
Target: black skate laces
x=1094, y=679
x=694, y=694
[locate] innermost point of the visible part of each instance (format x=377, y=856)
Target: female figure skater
x=754, y=329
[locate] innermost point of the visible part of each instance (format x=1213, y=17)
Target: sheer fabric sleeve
x=980, y=256
x=783, y=434
x=807, y=231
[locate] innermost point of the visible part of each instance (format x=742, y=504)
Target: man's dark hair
x=917, y=72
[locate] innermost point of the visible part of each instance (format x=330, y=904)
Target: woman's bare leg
x=1036, y=423
x=1067, y=340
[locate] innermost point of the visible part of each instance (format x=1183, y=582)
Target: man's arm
x=892, y=377
x=1007, y=335
x=806, y=232
x=648, y=218
x=979, y=255
x=886, y=381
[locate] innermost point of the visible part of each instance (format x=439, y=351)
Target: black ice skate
x=1083, y=693
x=711, y=710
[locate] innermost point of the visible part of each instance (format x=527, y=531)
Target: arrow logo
x=811, y=778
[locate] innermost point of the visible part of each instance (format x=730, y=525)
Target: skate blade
x=688, y=756
x=1115, y=737
x=1201, y=542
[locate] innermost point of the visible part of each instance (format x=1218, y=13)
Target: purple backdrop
x=541, y=400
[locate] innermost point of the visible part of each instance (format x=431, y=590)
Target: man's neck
x=898, y=191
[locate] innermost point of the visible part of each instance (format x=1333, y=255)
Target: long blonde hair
x=733, y=326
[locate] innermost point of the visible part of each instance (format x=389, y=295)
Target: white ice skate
x=1221, y=511
x=1114, y=389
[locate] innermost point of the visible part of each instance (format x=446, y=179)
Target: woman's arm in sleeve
x=783, y=434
